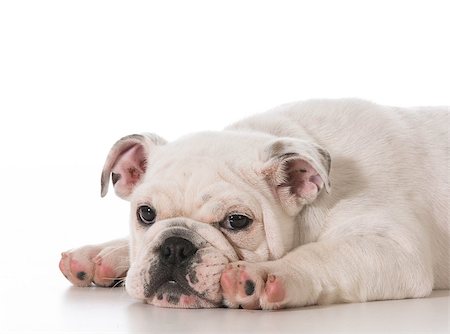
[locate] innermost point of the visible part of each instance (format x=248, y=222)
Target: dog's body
x=260, y=192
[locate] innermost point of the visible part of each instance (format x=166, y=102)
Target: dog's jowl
x=315, y=202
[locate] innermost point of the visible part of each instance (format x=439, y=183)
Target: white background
x=77, y=75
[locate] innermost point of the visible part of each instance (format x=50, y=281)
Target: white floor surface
x=48, y=304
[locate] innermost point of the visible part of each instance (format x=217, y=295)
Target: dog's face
x=207, y=200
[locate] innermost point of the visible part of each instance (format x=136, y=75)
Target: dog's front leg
x=350, y=269
x=102, y=264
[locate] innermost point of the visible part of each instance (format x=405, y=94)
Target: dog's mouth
x=178, y=294
x=179, y=273
x=172, y=291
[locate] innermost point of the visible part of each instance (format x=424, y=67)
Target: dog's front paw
x=251, y=286
x=103, y=266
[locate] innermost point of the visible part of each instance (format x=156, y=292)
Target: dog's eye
x=236, y=222
x=146, y=214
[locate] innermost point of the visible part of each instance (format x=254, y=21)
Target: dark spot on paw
x=81, y=275
x=249, y=287
x=159, y=296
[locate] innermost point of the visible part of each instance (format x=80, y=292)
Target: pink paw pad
x=228, y=280
x=79, y=271
x=104, y=274
x=274, y=289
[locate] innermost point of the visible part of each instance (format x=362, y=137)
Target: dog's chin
x=172, y=294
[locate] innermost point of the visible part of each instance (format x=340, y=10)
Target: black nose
x=176, y=250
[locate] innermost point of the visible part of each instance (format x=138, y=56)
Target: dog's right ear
x=127, y=162
x=296, y=170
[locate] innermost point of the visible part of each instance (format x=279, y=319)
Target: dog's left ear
x=296, y=170
x=127, y=162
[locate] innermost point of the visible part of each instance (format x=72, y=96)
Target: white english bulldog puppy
x=323, y=201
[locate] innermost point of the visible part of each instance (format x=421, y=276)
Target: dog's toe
x=77, y=269
x=110, y=267
x=274, y=289
x=106, y=276
x=241, y=285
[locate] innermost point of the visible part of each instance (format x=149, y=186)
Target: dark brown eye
x=236, y=221
x=146, y=215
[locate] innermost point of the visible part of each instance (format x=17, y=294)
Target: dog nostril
x=166, y=251
x=184, y=253
x=176, y=250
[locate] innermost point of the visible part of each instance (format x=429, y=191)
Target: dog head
x=206, y=200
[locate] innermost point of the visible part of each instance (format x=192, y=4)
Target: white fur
x=382, y=232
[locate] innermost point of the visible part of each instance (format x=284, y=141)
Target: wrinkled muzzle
x=179, y=263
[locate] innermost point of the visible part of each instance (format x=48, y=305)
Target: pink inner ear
x=302, y=179
x=128, y=169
